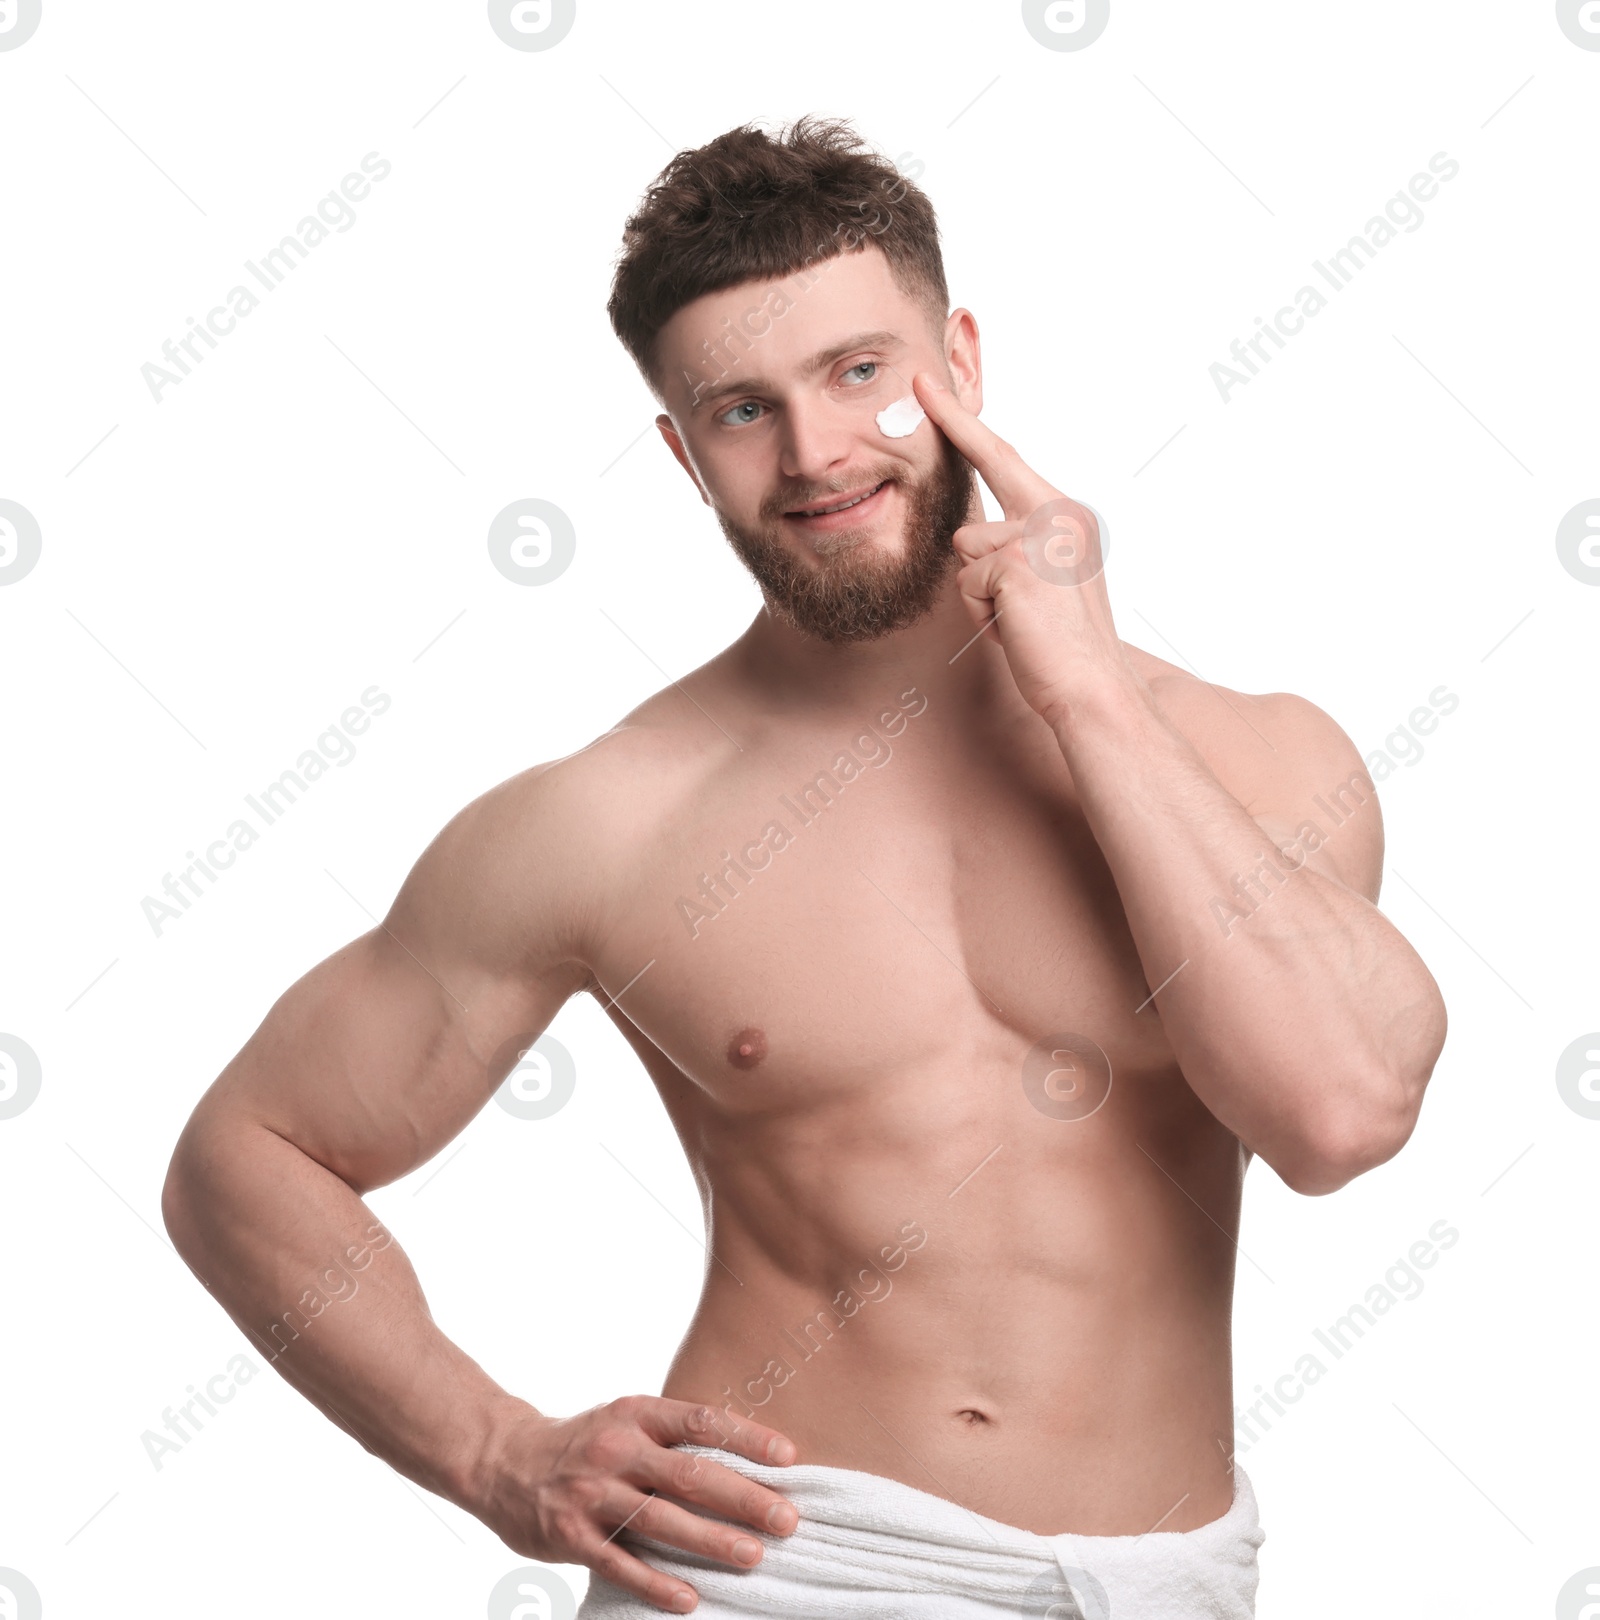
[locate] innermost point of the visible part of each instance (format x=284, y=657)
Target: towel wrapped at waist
x=866, y=1545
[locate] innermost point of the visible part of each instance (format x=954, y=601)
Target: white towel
x=866, y=1545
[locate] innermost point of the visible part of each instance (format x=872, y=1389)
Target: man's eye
x=744, y=405
x=865, y=365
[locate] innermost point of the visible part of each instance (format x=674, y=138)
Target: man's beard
x=850, y=591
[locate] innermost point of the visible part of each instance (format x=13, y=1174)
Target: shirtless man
x=973, y=952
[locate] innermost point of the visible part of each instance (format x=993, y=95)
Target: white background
x=1370, y=518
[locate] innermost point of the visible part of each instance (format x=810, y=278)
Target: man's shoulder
x=539, y=866
x=621, y=781
x=1242, y=728
x=1264, y=729
x=1286, y=759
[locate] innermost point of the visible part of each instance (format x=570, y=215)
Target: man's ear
x=675, y=445
x=963, y=358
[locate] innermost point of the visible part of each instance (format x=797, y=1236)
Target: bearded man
x=973, y=951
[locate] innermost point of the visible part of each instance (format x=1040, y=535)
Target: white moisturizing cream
x=898, y=420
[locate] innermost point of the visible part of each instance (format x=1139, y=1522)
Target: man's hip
x=866, y=1545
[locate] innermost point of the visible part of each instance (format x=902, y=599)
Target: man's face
x=782, y=424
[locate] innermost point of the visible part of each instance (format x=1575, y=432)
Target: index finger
x=1017, y=487
x=714, y=1484
x=669, y=1421
x=701, y=1491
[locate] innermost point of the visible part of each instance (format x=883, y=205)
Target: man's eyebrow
x=822, y=358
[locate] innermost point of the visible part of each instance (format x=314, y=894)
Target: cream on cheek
x=901, y=419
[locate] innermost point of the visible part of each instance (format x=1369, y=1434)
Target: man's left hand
x=1038, y=573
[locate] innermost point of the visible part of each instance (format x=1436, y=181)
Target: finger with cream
x=903, y=417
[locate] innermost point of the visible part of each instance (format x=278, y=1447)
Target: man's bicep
x=386, y=1050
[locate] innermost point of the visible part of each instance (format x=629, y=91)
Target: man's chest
x=830, y=928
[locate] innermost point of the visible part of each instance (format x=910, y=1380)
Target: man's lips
x=850, y=507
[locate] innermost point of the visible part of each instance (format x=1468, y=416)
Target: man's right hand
x=364, y=1070
x=559, y=1490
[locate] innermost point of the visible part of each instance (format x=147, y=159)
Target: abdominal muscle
x=1034, y=1323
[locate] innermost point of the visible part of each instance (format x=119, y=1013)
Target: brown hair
x=746, y=207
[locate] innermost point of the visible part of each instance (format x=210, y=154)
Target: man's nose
x=820, y=439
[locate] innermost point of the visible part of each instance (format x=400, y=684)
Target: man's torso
x=871, y=963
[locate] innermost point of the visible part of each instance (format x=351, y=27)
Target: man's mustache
x=783, y=504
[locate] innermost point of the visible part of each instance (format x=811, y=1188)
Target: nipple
x=747, y=1048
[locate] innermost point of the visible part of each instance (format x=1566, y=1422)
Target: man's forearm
x=1309, y=1029
x=298, y=1260
x=1312, y=1031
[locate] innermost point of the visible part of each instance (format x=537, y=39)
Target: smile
x=849, y=504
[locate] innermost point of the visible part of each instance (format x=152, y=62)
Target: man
x=973, y=952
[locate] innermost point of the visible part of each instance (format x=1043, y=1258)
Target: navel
x=747, y=1048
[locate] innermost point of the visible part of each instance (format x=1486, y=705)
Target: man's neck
x=959, y=668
